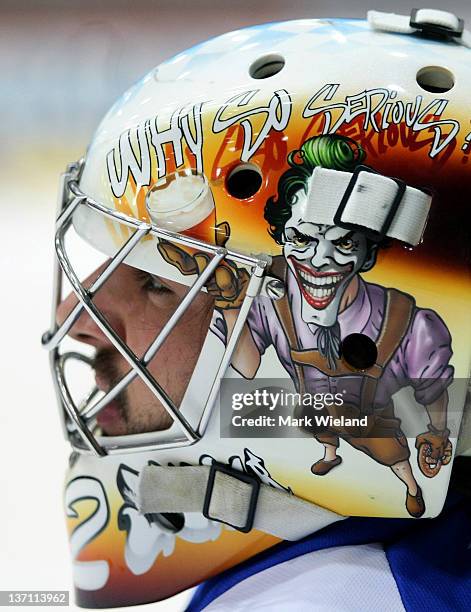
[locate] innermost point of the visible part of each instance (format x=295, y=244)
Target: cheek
x=143, y=324
x=146, y=315
x=186, y=339
x=352, y=259
x=287, y=250
x=174, y=363
x=290, y=250
x=146, y=319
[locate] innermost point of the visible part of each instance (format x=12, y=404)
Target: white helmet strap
x=431, y=21
x=367, y=201
x=228, y=496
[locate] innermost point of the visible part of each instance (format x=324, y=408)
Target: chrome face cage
x=78, y=421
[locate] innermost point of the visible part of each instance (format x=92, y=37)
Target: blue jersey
x=359, y=563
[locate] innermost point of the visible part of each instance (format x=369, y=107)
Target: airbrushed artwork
x=326, y=300
x=324, y=220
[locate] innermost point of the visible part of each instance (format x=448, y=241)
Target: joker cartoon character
x=326, y=301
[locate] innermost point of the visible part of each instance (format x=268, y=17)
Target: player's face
x=137, y=305
x=324, y=259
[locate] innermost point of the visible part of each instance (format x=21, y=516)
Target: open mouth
x=318, y=288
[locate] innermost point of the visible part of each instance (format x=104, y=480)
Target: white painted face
x=324, y=259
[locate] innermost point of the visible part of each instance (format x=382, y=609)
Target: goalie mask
x=280, y=331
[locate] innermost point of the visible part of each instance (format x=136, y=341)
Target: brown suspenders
x=396, y=319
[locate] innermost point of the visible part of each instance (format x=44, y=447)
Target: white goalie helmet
x=280, y=331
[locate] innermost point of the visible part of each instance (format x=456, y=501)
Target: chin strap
x=228, y=496
x=431, y=22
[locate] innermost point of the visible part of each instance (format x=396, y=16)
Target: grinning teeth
x=319, y=292
x=320, y=281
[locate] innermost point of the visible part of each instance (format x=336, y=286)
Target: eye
x=297, y=239
x=346, y=243
x=151, y=283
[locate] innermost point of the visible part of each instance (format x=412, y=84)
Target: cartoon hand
x=228, y=283
x=434, y=450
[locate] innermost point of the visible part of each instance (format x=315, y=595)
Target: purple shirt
x=421, y=360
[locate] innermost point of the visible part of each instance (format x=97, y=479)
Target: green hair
x=331, y=151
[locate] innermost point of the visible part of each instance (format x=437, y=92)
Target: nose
x=85, y=329
x=322, y=254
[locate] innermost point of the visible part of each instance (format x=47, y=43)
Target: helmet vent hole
x=244, y=181
x=435, y=79
x=266, y=66
x=359, y=351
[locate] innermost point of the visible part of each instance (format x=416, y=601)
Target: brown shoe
x=322, y=467
x=415, y=504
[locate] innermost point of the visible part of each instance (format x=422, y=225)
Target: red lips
x=318, y=295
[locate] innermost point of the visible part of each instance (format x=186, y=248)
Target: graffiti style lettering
x=133, y=155
x=379, y=109
x=129, y=162
x=88, y=575
x=162, y=145
x=278, y=112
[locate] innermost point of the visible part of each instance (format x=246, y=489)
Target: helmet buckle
x=251, y=497
x=435, y=30
x=383, y=232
